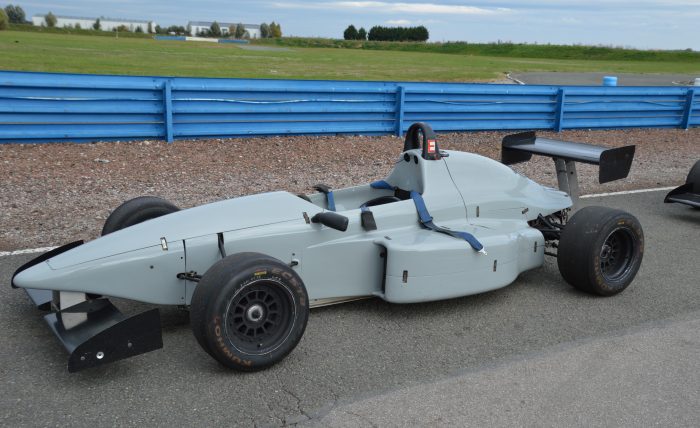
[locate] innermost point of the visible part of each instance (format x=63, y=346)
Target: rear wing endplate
x=614, y=163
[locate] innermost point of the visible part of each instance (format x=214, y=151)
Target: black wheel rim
x=259, y=317
x=617, y=254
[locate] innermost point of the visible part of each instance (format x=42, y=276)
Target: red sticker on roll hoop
x=431, y=146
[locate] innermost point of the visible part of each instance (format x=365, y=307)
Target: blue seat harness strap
x=381, y=184
x=427, y=220
x=331, y=201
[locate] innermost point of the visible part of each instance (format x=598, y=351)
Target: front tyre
x=249, y=311
x=600, y=250
x=135, y=211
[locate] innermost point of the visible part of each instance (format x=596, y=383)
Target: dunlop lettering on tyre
x=249, y=311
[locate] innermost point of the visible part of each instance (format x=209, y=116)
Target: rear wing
x=614, y=163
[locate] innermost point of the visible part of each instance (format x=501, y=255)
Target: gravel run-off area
x=56, y=193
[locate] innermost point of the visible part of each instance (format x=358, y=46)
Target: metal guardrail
x=47, y=107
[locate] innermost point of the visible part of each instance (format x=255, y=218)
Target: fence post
x=688, y=110
x=559, y=113
x=168, y=110
x=400, y=93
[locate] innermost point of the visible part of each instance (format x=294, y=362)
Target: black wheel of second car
x=135, y=211
x=249, y=311
x=600, y=250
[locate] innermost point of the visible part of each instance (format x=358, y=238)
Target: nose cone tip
x=37, y=276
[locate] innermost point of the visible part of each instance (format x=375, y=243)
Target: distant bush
x=264, y=31
x=350, y=33
x=15, y=14
x=215, y=29
x=361, y=34
x=275, y=30
x=240, y=31
x=3, y=20
x=398, y=34
x=271, y=30
x=174, y=29
x=50, y=20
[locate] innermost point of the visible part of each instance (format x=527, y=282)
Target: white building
x=198, y=27
x=106, y=24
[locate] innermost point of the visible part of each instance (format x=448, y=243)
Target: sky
x=644, y=24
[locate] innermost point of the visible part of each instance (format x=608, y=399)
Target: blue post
x=168, y=110
x=400, y=94
x=559, y=113
x=688, y=110
x=610, y=81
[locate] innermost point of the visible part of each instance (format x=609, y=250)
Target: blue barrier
x=239, y=41
x=177, y=38
x=48, y=107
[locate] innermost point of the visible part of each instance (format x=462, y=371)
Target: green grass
x=511, y=50
x=41, y=51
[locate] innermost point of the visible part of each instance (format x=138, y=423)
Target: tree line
x=12, y=14
x=352, y=33
x=391, y=34
x=236, y=31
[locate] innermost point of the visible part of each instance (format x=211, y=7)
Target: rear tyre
x=600, y=250
x=249, y=311
x=136, y=211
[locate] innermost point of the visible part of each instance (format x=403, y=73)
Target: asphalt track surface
x=363, y=349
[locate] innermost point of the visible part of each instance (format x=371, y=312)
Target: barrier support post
x=168, y=110
x=688, y=109
x=400, y=94
x=559, y=113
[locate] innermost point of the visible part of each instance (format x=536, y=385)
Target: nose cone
x=38, y=276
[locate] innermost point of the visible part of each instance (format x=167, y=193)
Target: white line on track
x=628, y=192
x=594, y=195
x=28, y=251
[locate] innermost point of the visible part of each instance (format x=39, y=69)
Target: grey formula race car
x=443, y=224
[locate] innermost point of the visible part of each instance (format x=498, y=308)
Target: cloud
x=398, y=22
x=386, y=7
